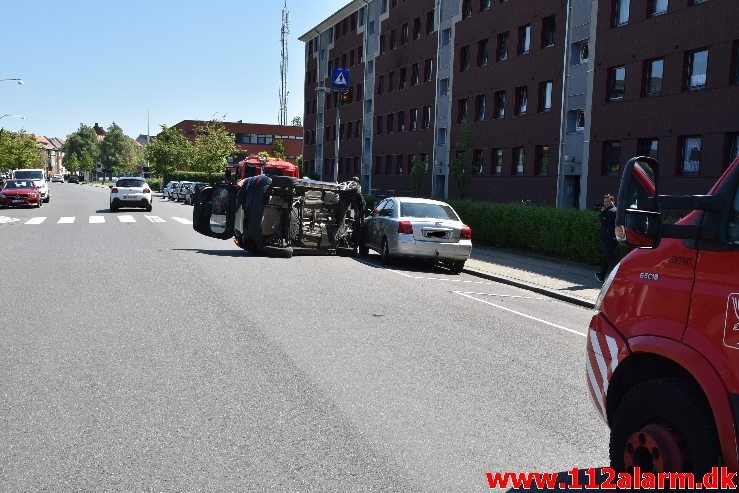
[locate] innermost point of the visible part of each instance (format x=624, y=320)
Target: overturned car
x=280, y=215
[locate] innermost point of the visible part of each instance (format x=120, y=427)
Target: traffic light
x=346, y=97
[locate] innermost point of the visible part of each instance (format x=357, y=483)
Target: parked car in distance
x=192, y=192
x=20, y=192
x=168, y=188
x=130, y=192
x=74, y=179
x=179, y=192
x=57, y=179
x=420, y=228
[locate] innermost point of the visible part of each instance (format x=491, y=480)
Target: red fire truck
x=258, y=165
x=663, y=349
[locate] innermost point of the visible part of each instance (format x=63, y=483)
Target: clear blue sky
x=87, y=61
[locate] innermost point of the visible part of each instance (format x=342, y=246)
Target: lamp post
x=18, y=81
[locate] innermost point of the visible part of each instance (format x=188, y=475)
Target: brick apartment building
x=558, y=94
x=253, y=138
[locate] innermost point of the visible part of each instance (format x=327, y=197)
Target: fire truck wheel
x=664, y=425
x=278, y=252
x=283, y=181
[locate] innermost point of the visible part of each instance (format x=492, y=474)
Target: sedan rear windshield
x=130, y=183
x=28, y=175
x=15, y=184
x=433, y=211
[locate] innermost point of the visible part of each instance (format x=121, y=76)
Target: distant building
x=142, y=140
x=52, y=149
x=253, y=138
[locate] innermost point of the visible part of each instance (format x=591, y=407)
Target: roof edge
x=333, y=19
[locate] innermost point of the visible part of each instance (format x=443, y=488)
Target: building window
x=524, y=39
x=399, y=164
x=735, y=58
x=480, y=108
x=484, y=5
x=478, y=161
x=579, y=120
x=390, y=123
x=393, y=39
x=378, y=165
x=519, y=158
x=496, y=166
x=545, y=95
x=654, y=71
x=466, y=9
x=382, y=43
x=413, y=124
x=649, y=147
x=464, y=58
x=621, y=12
x=349, y=126
x=401, y=121
x=417, y=28
x=482, y=52
x=580, y=52
x=401, y=82
x=404, y=38
x=461, y=110
x=388, y=164
x=657, y=7
x=360, y=54
x=444, y=87
x=429, y=22
x=351, y=58
x=428, y=69
x=548, y=31
x=499, y=101
x=733, y=140
x=415, y=74
x=380, y=84
x=697, y=68
x=616, y=83
x=612, y=157
x=502, y=49
x=391, y=82
x=542, y=160
x=522, y=100
x=441, y=137
x=691, y=155
x=446, y=37
x=426, y=116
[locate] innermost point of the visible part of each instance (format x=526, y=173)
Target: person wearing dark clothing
x=607, y=237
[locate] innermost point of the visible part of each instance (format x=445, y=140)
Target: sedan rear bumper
x=408, y=246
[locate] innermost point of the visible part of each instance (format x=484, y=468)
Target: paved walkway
x=568, y=281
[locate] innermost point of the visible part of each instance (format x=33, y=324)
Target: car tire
x=676, y=413
x=148, y=208
x=363, y=250
x=47, y=199
x=346, y=252
x=457, y=267
x=38, y=204
x=113, y=208
x=385, y=256
x=278, y=252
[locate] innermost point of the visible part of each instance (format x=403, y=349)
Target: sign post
x=339, y=82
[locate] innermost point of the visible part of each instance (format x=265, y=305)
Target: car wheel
x=363, y=250
x=38, y=204
x=664, y=425
x=278, y=252
x=148, y=208
x=457, y=267
x=113, y=208
x=386, y=258
x=47, y=199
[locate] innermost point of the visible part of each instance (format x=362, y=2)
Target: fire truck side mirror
x=638, y=218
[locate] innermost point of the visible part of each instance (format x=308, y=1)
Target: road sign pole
x=338, y=139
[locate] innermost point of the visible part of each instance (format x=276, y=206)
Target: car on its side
x=20, y=192
x=130, y=192
x=57, y=179
x=168, y=188
x=179, y=192
x=74, y=179
x=420, y=228
x=192, y=192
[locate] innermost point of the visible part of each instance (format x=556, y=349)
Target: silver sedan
x=421, y=228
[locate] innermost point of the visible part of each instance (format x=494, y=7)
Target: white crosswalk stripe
x=66, y=220
x=92, y=220
x=126, y=219
x=182, y=220
x=97, y=219
x=155, y=219
x=36, y=220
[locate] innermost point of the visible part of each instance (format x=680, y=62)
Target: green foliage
x=168, y=152
x=563, y=233
x=263, y=154
x=73, y=164
x=195, y=176
x=461, y=167
x=296, y=121
x=418, y=169
x=19, y=151
x=213, y=145
x=84, y=146
x=299, y=164
x=117, y=153
x=278, y=148
x=155, y=183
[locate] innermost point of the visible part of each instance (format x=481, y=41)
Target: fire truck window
x=734, y=224
x=219, y=211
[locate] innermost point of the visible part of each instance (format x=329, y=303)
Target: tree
x=418, y=169
x=297, y=122
x=117, y=153
x=84, y=145
x=278, y=148
x=19, y=151
x=461, y=166
x=299, y=164
x=213, y=146
x=73, y=164
x=170, y=151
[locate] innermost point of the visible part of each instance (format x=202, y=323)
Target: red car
x=19, y=192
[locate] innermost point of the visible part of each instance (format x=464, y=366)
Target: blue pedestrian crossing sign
x=340, y=78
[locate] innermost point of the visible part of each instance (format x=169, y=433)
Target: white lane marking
x=496, y=295
x=126, y=219
x=522, y=314
x=35, y=220
x=155, y=219
x=8, y=220
x=65, y=220
x=462, y=281
x=97, y=219
x=182, y=220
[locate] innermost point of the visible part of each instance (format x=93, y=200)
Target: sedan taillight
x=405, y=228
x=146, y=190
x=114, y=190
x=466, y=233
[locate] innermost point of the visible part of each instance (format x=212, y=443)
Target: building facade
x=551, y=97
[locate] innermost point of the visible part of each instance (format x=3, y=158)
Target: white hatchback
x=130, y=192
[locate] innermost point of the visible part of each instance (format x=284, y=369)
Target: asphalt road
x=141, y=356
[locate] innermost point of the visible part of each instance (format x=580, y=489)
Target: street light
x=19, y=81
x=18, y=116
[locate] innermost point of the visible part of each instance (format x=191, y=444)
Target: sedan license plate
x=19, y=200
x=443, y=235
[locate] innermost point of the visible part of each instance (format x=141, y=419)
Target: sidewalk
x=560, y=279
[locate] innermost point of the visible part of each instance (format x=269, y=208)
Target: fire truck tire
x=278, y=252
x=664, y=424
x=283, y=181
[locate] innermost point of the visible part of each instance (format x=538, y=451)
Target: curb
x=529, y=287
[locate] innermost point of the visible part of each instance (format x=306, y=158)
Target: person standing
x=607, y=236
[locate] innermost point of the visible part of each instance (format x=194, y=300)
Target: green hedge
x=562, y=233
x=196, y=176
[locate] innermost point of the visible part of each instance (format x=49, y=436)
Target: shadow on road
x=408, y=265
x=215, y=253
